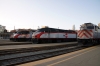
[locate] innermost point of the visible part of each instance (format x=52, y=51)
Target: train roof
x=20, y=30
x=90, y=23
x=55, y=30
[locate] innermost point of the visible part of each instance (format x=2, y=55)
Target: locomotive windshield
x=87, y=26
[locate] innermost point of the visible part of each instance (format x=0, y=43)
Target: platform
x=32, y=45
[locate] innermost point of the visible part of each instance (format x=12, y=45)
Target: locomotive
x=22, y=35
x=89, y=34
x=50, y=35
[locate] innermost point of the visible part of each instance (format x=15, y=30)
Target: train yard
x=25, y=46
x=18, y=54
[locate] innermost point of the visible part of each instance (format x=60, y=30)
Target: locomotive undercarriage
x=20, y=39
x=52, y=40
x=88, y=42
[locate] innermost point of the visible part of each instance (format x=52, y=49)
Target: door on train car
x=96, y=32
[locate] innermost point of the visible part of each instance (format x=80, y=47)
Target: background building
x=73, y=28
x=4, y=34
x=2, y=28
x=99, y=25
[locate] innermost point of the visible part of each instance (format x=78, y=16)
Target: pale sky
x=53, y=13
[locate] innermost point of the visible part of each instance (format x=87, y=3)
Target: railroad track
x=15, y=57
x=9, y=57
x=34, y=49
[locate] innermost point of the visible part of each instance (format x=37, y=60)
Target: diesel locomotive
x=50, y=35
x=89, y=34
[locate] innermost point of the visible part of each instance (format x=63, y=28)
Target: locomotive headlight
x=33, y=35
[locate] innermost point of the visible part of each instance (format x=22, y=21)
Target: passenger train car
x=50, y=35
x=89, y=34
x=22, y=35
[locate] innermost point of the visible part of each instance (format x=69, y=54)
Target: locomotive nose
x=85, y=34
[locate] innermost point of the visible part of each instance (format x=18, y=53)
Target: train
x=22, y=35
x=52, y=35
x=89, y=34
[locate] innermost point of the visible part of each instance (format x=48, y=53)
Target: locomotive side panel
x=58, y=35
x=72, y=35
x=99, y=35
x=53, y=35
x=95, y=35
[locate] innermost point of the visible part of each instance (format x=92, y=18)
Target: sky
x=53, y=13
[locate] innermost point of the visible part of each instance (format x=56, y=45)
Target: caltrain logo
x=66, y=35
x=85, y=34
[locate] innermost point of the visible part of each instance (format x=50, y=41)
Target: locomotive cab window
x=89, y=26
x=96, y=28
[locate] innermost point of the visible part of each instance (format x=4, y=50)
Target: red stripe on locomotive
x=38, y=35
x=16, y=36
x=80, y=33
x=89, y=33
x=85, y=35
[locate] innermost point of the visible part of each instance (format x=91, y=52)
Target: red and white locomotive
x=50, y=35
x=22, y=35
x=88, y=34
